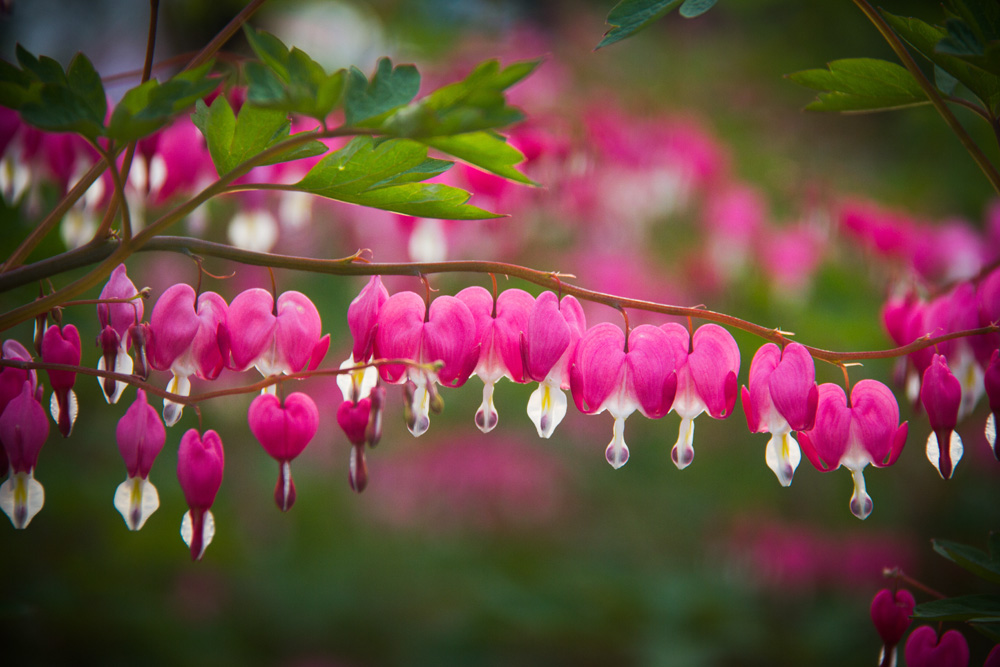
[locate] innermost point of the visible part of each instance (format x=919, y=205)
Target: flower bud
x=284, y=430
x=23, y=430
x=941, y=396
x=891, y=614
x=61, y=345
x=924, y=650
x=141, y=435
x=200, y=462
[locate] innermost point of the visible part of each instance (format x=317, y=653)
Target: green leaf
x=973, y=34
x=289, y=80
x=475, y=103
x=53, y=100
x=990, y=630
x=386, y=175
x=232, y=140
x=630, y=16
x=390, y=88
x=149, y=106
x=693, y=8
x=924, y=38
x=487, y=150
x=860, y=85
x=980, y=608
x=983, y=565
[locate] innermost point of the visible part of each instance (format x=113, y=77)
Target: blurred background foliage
x=504, y=549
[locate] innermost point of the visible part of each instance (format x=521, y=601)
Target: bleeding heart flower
x=781, y=398
x=856, y=434
x=924, y=650
x=284, y=430
x=23, y=430
x=500, y=324
x=362, y=320
x=554, y=330
x=61, y=345
x=275, y=338
x=141, y=436
x=941, y=396
x=200, y=462
x=608, y=374
x=444, y=332
x=116, y=319
x=188, y=339
x=707, y=366
x=362, y=423
x=891, y=613
x=12, y=379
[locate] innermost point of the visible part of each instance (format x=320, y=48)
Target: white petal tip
x=207, y=531
x=21, y=498
x=136, y=499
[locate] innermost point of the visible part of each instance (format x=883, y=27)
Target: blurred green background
x=505, y=549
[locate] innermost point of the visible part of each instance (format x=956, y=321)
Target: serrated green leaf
x=232, y=139
x=149, y=106
x=85, y=83
x=475, y=103
x=51, y=99
x=986, y=566
x=289, y=80
x=487, y=150
x=973, y=34
x=630, y=16
x=390, y=88
x=692, y=8
x=861, y=84
x=924, y=38
x=981, y=608
x=386, y=175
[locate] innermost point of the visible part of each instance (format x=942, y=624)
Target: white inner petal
x=21, y=498
x=136, y=499
x=783, y=456
x=547, y=407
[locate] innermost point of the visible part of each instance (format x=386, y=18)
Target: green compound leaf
x=925, y=38
x=232, y=140
x=973, y=34
x=149, y=106
x=983, y=565
x=54, y=100
x=861, y=85
x=367, y=102
x=630, y=16
x=487, y=150
x=289, y=80
x=978, y=608
x=386, y=175
x=475, y=103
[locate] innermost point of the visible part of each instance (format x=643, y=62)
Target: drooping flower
x=283, y=430
x=941, y=396
x=554, y=330
x=500, y=324
x=141, y=435
x=443, y=332
x=23, y=430
x=362, y=320
x=116, y=320
x=781, y=399
x=890, y=612
x=361, y=422
x=923, y=649
x=991, y=381
x=61, y=345
x=708, y=364
x=200, y=461
x=275, y=338
x=853, y=435
x=609, y=374
x=12, y=379
x=188, y=334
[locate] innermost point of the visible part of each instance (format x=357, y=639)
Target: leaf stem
x=932, y=93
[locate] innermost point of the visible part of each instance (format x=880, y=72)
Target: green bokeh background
x=639, y=566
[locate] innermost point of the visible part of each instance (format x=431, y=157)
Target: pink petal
x=714, y=364
x=251, y=325
x=547, y=336
x=141, y=435
x=174, y=324
x=924, y=650
x=24, y=427
x=61, y=345
x=362, y=316
x=875, y=418
x=449, y=335
x=757, y=403
x=283, y=430
x=826, y=442
x=598, y=366
x=651, y=370
x=200, y=462
x=298, y=330
x=793, y=387
x=400, y=325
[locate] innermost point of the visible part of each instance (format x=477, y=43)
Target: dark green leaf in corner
x=630, y=16
x=387, y=175
x=986, y=566
x=390, y=88
x=983, y=608
x=861, y=85
x=925, y=37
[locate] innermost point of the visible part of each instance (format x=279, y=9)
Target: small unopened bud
x=373, y=432
x=138, y=336
x=357, y=473
x=408, y=415
x=436, y=401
